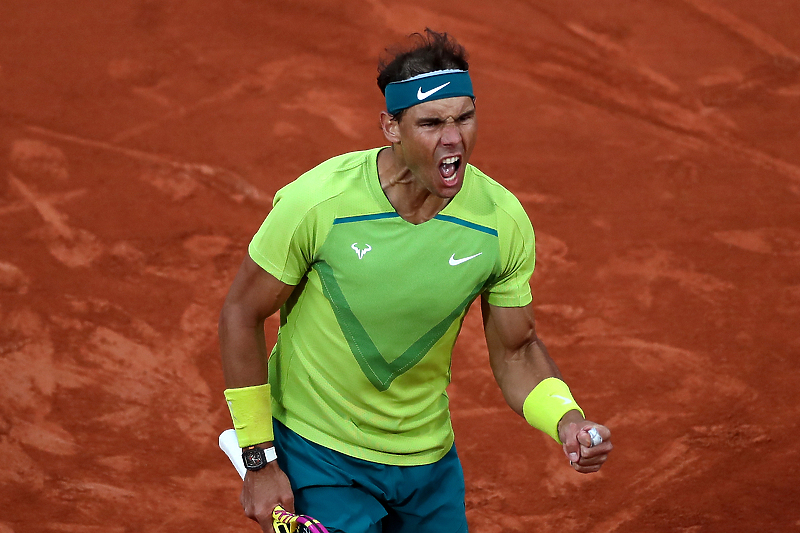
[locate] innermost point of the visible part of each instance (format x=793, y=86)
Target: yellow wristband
x=251, y=411
x=546, y=405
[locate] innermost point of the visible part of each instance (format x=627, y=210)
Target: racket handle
x=296, y=523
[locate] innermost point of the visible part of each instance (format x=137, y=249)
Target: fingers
x=572, y=447
x=584, y=438
x=287, y=503
x=262, y=491
x=262, y=516
x=262, y=512
x=264, y=519
x=591, y=456
x=589, y=469
x=593, y=434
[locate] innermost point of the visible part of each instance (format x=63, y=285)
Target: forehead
x=444, y=108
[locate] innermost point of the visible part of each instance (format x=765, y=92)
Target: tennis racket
x=282, y=520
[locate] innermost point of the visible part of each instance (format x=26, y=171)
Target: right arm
x=254, y=295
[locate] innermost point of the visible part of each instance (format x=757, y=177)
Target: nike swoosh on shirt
x=423, y=95
x=453, y=261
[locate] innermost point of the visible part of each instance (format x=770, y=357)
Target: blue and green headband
x=426, y=88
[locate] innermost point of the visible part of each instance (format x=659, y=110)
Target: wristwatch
x=256, y=458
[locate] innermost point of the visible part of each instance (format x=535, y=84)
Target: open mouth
x=449, y=167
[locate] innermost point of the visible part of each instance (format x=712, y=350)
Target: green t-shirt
x=364, y=347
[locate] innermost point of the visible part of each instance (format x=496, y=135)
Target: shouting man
x=372, y=259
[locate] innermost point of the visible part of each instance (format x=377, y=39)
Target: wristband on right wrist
x=251, y=411
x=547, y=404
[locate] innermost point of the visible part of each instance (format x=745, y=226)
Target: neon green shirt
x=363, y=353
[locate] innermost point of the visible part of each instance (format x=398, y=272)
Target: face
x=435, y=140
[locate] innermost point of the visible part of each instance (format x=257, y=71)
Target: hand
x=584, y=457
x=262, y=491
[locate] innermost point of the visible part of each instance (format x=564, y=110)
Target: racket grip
x=230, y=445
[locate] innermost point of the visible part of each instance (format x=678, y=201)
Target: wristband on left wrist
x=547, y=404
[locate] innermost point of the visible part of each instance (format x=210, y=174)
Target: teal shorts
x=350, y=495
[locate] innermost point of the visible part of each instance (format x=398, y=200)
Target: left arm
x=519, y=361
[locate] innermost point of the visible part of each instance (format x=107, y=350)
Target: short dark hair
x=428, y=53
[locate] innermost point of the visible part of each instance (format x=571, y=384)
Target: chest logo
x=453, y=261
x=361, y=251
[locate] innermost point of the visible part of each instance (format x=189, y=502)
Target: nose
x=451, y=134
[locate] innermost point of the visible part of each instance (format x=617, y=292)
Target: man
x=373, y=259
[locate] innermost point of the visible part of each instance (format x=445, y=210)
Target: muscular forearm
x=521, y=369
x=522, y=366
x=243, y=348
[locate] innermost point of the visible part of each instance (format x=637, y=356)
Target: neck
x=413, y=203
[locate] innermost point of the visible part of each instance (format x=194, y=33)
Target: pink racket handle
x=307, y=524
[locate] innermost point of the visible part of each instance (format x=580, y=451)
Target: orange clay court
x=654, y=145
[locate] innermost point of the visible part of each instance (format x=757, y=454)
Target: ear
x=390, y=127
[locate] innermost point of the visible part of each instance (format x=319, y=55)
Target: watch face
x=254, y=458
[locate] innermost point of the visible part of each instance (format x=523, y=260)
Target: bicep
x=507, y=329
x=255, y=293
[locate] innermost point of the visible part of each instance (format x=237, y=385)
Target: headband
x=426, y=88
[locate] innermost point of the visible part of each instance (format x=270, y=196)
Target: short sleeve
x=511, y=285
x=284, y=245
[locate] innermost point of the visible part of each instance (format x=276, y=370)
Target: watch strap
x=270, y=454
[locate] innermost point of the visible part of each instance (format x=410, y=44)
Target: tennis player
x=373, y=259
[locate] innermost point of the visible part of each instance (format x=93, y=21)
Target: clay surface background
x=654, y=145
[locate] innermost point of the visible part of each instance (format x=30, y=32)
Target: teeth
x=450, y=160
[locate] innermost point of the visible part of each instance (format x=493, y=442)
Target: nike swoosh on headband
x=423, y=95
